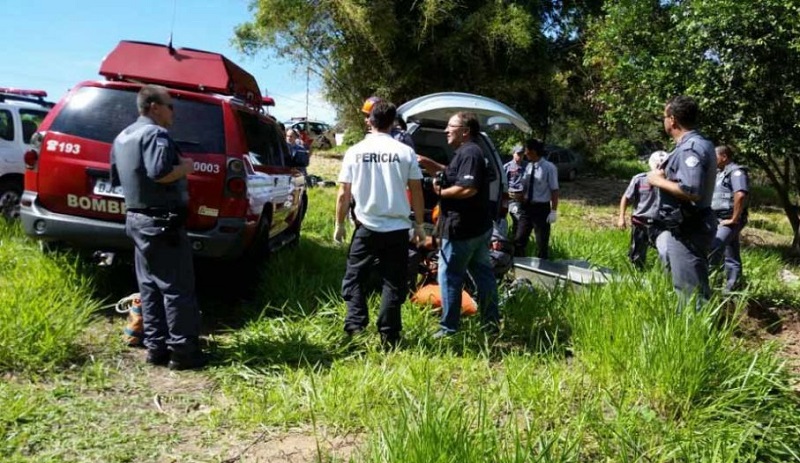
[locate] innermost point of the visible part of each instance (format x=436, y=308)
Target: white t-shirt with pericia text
x=378, y=169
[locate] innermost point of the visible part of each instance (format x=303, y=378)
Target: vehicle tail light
x=236, y=166
x=237, y=186
x=31, y=157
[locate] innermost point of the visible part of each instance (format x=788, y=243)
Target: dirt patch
x=779, y=324
x=296, y=447
x=593, y=191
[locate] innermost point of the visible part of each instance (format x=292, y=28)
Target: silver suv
x=427, y=117
x=21, y=112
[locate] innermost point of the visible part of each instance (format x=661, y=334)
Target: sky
x=52, y=45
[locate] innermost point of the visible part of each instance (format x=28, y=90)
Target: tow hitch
x=103, y=258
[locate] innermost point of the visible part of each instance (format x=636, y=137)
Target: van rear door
x=73, y=168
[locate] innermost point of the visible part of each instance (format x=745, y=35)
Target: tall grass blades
x=436, y=427
x=44, y=305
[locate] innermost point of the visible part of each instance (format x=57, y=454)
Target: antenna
x=172, y=27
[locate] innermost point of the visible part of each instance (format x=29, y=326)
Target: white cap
x=657, y=159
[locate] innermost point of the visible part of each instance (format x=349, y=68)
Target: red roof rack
x=182, y=68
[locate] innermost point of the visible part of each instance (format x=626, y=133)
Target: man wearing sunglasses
x=148, y=165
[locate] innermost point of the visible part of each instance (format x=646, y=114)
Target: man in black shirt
x=465, y=226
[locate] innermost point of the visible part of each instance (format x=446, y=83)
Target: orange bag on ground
x=430, y=294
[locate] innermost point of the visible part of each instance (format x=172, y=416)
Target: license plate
x=103, y=188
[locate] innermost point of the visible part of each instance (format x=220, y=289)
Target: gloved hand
x=418, y=234
x=552, y=217
x=338, y=233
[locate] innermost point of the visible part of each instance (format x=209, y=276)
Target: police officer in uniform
x=686, y=187
x=464, y=226
x=514, y=169
x=645, y=225
x=730, y=206
x=376, y=172
x=538, y=201
x=148, y=165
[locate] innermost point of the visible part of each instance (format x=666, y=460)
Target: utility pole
x=308, y=73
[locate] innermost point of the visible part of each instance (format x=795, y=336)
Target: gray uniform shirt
x=731, y=179
x=643, y=197
x=141, y=154
x=544, y=176
x=693, y=165
x=514, y=173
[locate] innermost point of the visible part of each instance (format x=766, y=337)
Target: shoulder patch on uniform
x=162, y=141
x=692, y=161
x=738, y=173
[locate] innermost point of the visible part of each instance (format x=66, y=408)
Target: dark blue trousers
x=165, y=272
x=533, y=218
x=386, y=252
x=726, y=246
x=687, y=254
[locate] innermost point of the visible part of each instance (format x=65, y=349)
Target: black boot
x=193, y=360
x=157, y=357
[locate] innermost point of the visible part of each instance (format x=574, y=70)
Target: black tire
x=260, y=248
x=573, y=174
x=324, y=143
x=298, y=223
x=10, y=195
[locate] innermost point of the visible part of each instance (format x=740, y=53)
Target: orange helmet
x=366, y=108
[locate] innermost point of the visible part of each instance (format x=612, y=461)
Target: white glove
x=418, y=235
x=338, y=233
x=552, y=217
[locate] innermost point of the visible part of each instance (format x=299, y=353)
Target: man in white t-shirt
x=376, y=172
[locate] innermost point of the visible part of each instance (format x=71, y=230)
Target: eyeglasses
x=168, y=105
x=454, y=126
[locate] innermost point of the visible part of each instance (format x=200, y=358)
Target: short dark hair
x=150, y=94
x=535, y=145
x=470, y=121
x=725, y=150
x=684, y=109
x=382, y=115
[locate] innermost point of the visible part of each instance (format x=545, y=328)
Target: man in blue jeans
x=464, y=226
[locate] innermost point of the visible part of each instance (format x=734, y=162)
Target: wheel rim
x=9, y=205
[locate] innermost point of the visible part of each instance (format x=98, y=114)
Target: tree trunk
x=794, y=221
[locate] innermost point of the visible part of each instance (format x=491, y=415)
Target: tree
x=401, y=49
x=740, y=60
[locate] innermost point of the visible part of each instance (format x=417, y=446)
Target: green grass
x=610, y=373
x=44, y=306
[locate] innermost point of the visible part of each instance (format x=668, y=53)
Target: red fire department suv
x=243, y=197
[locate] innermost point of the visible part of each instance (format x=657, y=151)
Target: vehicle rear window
x=102, y=113
x=262, y=139
x=31, y=119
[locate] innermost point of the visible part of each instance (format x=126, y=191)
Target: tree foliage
x=401, y=49
x=740, y=60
